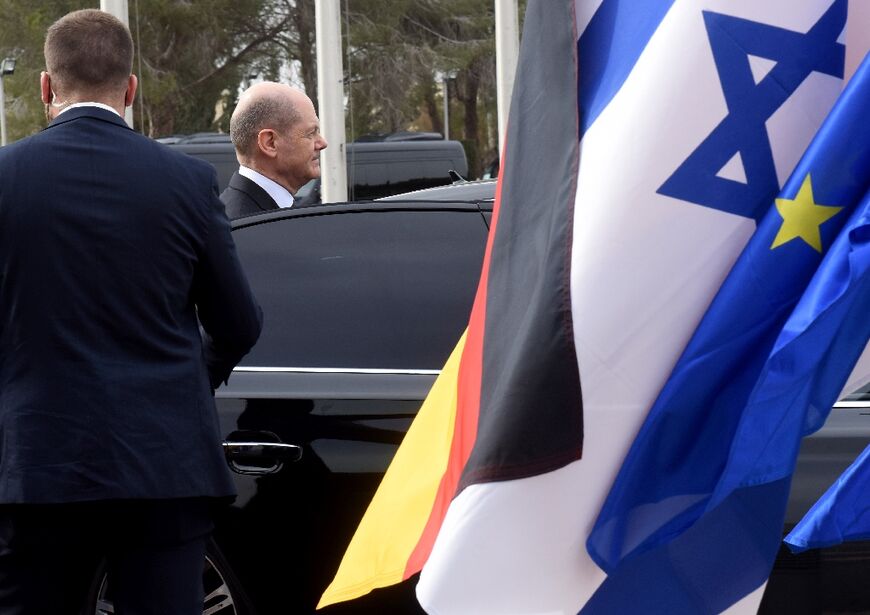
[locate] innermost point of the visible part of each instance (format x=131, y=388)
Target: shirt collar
x=279, y=193
x=89, y=104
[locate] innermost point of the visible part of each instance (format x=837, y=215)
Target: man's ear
x=266, y=142
x=45, y=87
x=130, y=94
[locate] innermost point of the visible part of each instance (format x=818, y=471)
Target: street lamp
x=7, y=67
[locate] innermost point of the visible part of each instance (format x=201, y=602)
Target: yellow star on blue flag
x=802, y=217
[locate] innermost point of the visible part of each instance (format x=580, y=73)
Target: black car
x=363, y=302
x=377, y=165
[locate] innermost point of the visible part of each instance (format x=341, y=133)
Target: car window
x=306, y=189
x=370, y=289
x=373, y=180
x=222, y=157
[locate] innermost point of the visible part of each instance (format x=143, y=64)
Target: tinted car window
x=378, y=169
x=374, y=169
x=351, y=287
x=374, y=180
x=221, y=155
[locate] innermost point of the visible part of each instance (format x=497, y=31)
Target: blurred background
x=401, y=58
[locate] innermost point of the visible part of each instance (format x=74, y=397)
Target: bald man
x=277, y=137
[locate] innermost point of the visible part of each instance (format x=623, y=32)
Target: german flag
x=518, y=350
x=643, y=146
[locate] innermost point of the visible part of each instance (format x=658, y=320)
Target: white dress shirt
x=279, y=193
x=89, y=104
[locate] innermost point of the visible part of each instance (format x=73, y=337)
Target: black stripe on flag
x=531, y=414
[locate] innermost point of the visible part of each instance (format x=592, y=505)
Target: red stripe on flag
x=467, y=407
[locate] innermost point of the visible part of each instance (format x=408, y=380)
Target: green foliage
x=22, y=32
x=190, y=56
x=193, y=59
x=401, y=53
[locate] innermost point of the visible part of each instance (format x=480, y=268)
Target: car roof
x=459, y=195
x=197, y=137
x=473, y=191
x=355, y=207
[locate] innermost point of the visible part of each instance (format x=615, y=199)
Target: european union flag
x=695, y=515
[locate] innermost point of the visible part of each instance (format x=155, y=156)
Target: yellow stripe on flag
x=391, y=527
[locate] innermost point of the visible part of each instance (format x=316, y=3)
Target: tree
x=188, y=57
x=295, y=44
x=22, y=32
x=398, y=51
x=192, y=58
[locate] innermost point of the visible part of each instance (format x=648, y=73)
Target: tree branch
x=267, y=36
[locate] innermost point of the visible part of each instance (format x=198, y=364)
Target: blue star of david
x=743, y=130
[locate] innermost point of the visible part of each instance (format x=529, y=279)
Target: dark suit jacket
x=244, y=197
x=110, y=245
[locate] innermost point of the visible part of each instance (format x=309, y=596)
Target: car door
x=362, y=305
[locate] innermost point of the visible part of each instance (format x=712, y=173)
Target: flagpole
x=506, y=53
x=119, y=9
x=330, y=96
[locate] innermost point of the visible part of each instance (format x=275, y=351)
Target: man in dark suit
x=114, y=250
x=277, y=137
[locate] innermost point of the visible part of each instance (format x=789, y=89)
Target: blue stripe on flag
x=609, y=48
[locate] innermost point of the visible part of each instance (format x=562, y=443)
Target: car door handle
x=253, y=457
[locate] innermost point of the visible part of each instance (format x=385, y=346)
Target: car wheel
x=222, y=593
